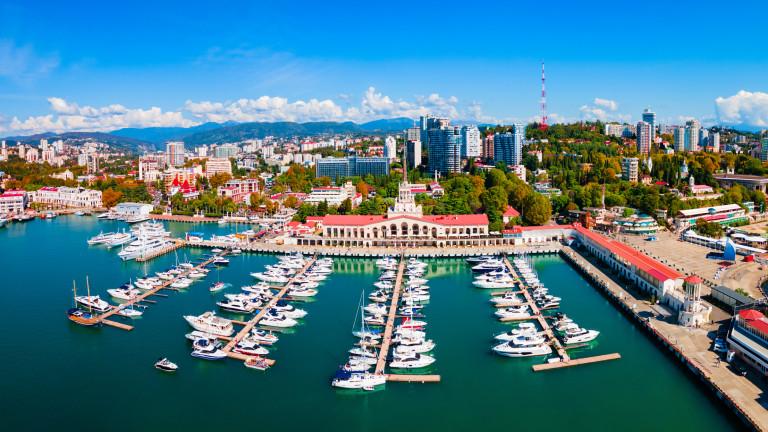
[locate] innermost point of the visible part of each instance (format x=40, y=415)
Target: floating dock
x=565, y=359
x=103, y=318
x=248, y=325
x=177, y=243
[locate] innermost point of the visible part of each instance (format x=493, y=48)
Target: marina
x=466, y=365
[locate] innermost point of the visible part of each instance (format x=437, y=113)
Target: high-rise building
x=351, y=166
x=427, y=123
x=692, y=135
x=764, y=149
x=413, y=134
x=413, y=153
x=644, y=139
x=390, y=147
x=488, y=147
x=215, y=166
x=717, y=146
x=619, y=130
x=444, y=150
x=679, y=135
x=630, y=168
x=508, y=147
x=226, y=151
x=650, y=118
x=471, y=144
x=703, y=137
x=174, y=151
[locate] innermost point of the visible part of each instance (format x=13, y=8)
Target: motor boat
x=93, y=302
x=302, y=292
x=289, y=310
x=165, y=365
x=220, y=261
x=508, y=349
x=208, y=351
x=410, y=361
x=274, y=318
x=579, y=335
x=210, y=323
x=270, y=277
x=375, y=320
x=119, y=239
x=523, y=328
x=82, y=317
x=100, y=238
x=147, y=284
x=354, y=365
x=262, y=337
x=195, y=274
x=358, y=380
x=250, y=348
x=376, y=309
x=527, y=339
x=415, y=347
x=480, y=259
x=415, y=297
x=507, y=300
x=181, y=283
x=238, y=306
x=385, y=285
x=196, y=334
x=515, y=312
x=368, y=342
x=217, y=286
x=257, y=363
x=367, y=334
x=165, y=276
x=496, y=282
x=129, y=312
x=488, y=266
x=124, y=293
x=378, y=296
x=412, y=324
x=364, y=352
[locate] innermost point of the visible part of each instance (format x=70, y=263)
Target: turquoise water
x=58, y=374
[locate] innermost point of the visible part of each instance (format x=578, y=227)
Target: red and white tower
x=543, y=125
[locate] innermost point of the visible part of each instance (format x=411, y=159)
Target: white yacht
x=515, y=312
x=415, y=347
x=124, y=293
x=262, y=336
x=143, y=247
x=410, y=361
x=358, y=380
x=250, y=348
x=508, y=349
x=523, y=328
x=270, y=277
x=274, y=318
x=119, y=239
x=527, y=339
x=507, y=300
x=93, y=302
x=302, y=292
x=579, y=335
x=238, y=305
x=210, y=323
x=376, y=309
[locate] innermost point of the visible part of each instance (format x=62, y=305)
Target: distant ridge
x=160, y=135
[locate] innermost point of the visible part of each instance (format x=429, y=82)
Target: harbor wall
x=689, y=364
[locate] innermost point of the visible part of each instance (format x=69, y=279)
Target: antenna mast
x=543, y=125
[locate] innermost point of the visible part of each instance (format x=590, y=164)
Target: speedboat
x=208, y=351
x=250, y=348
x=274, y=318
x=410, y=361
x=523, y=328
x=302, y=292
x=210, y=323
x=579, y=335
x=165, y=365
x=270, y=277
x=217, y=286
x=289, y=310
x=358, y=380
x=82, y=317
x=220, y=261
x=515, y=312
x=257, y=363
x=376, y=309
x=238, y=306
x=414, y=346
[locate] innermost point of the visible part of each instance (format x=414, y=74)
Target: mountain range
x=137, y=140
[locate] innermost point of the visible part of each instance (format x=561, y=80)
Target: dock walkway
x=248, y=325
x=103, y=318
x=389, y=327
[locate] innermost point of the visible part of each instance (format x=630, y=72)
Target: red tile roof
x=693, y=279
x=643, y=262
x=755, y=319
x=511, y=212
x=449, y=220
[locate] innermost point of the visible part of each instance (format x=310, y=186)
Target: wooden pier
x=248, y=326
x=390, y=326
x=413, y=378
x=177, y=243
x=142, y=298
x=565, y=359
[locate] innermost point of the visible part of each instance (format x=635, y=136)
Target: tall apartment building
x=644, y=139
x=692, y=128
x=471, y=143
x=619, y=130
x=174, y=151
x=650, y=118
x=444, y=150
x=413, y=134
x=413, y=153
x=390, y=147
x=679, y=135
x=508, y=147
x=629, y=169
x=488, y=147
x=215, y=166
x=764, y=149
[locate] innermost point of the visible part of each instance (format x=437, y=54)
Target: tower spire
x=543, y=125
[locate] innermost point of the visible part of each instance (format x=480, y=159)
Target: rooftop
x=755, y=319
x=742, y=177
x=451, y=220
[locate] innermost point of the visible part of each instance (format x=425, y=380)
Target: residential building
x=226, y=151
x=413, y=134
x=334, y=195
x=217, y=165
x=691, y=140
x=413, y=153
x=650, y=118
x=508, y=147
x=3, y=150
x=13, y=202
x=202, y=151
x=644, y=137
x=471, y=143
x=764, y=149
x=619, y=130
x=351, y=166
x=630, y=168
x=488, y=149
x=174, y=151
x=519, y=171
x=390, y=148
x=715, y=144
x=444, y=150
x=239, y=190
x=62, y=197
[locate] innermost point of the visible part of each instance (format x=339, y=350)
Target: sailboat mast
x=88, y=288
x=74, y=293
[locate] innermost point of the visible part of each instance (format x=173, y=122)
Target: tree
x=345, y=207
x=292, y=202
x=537, y=209
x=362, y=188
x=110, y=197
x=219, y=179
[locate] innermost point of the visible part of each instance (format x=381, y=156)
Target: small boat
x=250, y=348
x=217, y=286
x=523, y=328
x=124, y=293
x=93, y=302
x=263, y=337
x=273, y=318
x=207, y=351
x=166, y=365
x=411, y=361
x=508, y=349
x=257, y=363
x=210, y=323
x=82, y=317
x=239, y=306
x=220, y=261
x=217, y=250
x=579, y=335
x=358, y=380
x=129, y=312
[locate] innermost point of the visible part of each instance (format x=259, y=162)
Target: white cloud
x=72, y=117
x=743, y=108
x=22, y=64
x=611, y=105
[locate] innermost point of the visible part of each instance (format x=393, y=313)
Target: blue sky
x=103, y=65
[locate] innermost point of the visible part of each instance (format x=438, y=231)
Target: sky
x=100, y=66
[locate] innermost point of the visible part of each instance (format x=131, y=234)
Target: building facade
x=413, y=153
x=444, y=150
x=630, y=168
x=13, y=202
x=508, y=147
x=471, y=143
x=174, y=152
x=351, y=166
x=63, y=197
x=644, y=137
x=650, y=118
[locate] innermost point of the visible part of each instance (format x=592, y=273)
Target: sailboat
x=78, y=315
x=218, y=285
